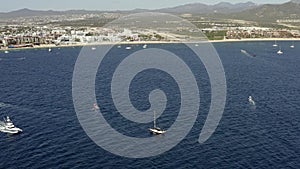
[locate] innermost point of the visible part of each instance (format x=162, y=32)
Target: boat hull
x=157, y=131
x=11, y=131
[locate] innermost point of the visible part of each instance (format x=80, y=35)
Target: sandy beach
x=256, y=39
x=148, y=42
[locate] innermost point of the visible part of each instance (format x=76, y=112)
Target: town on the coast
x=27, y=28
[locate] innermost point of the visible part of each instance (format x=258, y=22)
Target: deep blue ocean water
x=36, y=92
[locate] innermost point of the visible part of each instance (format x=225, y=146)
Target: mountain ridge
x=200, y=8
x=270, y=12
x=222, y=7
x=242, y=11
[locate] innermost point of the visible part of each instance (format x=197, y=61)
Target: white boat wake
x=5, y=105
x=247, y=53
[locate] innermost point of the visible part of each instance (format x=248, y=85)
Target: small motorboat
x=8, y=127
x=96, y=107
x=251, y=101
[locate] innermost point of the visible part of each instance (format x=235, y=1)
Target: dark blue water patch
x=36, y=92
x=142, y=85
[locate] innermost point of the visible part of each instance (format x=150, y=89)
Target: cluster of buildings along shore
x=17, y=36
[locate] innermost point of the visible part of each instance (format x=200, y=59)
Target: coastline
x=255, y=40
x=149, y=42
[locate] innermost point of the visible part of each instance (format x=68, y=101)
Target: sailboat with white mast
x=156, y=130
x=275, y=44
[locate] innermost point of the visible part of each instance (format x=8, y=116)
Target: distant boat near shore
x=292, y=46
x=275, y=44
x=279, y=51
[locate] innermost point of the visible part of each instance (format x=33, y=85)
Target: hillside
x=196, y=8
x=269, y=12
x=199, y=8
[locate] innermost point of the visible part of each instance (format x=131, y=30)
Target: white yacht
x=155, y=129
x=145, y=46
x=50, y=50
x=8, y=127
x=251, y=101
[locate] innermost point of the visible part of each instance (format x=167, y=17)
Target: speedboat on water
x=8, y=127
x=96, y=107
x=251, y=101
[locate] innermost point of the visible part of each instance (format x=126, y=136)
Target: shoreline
x=255, y=40
x=150, y=42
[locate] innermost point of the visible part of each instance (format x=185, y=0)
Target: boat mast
x=154, y=120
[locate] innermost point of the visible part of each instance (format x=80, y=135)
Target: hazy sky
x=108, y=4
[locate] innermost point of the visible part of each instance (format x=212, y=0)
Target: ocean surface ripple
x=36, y=92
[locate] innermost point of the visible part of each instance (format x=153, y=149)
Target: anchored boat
x=8, y=127
x=156, y=130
